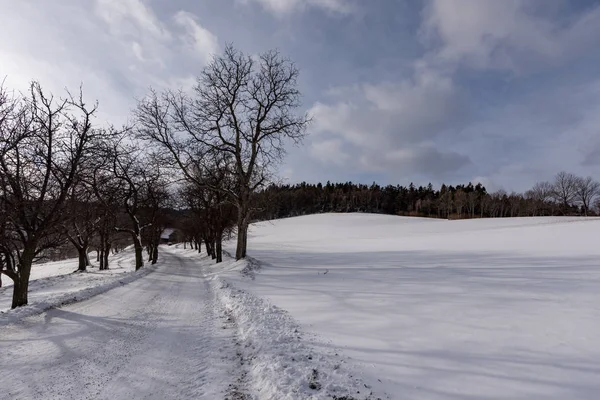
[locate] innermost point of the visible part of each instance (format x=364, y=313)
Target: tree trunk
x=139, y=252
x=150, y=251
x=21, y=286
x=105, y=255
x=243, y=215
x=101, y=266
x=101, y=256
x=219, y=248
x=209, y=249
x=242, y=236
x=154, y=255
x=101, y=250
x=83, y=258
x=21, y=281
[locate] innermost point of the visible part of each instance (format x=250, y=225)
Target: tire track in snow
x=159, y=337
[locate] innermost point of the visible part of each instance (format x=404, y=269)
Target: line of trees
x=568, y=194
x=66, y=180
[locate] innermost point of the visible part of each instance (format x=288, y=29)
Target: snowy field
x=437, y=309
x=348, y=306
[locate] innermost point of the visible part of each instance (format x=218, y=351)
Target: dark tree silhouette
x=43, y=142
x=241, y=108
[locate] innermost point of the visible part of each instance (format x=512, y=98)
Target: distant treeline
x=568, y=195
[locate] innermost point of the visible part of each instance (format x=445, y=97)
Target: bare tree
x=538, y=196
x=240, y=107
x=472, y=203
x=107, y=191
x=105, y=230
x=43, y=141
x=460, y=200
x=542, y=191
x=6, y=240
x=586, y=191
x=565, y=189
x=156, y=197
x=484, y=204
x=213, y=208
x=597, y=206
x=514, y=204
x=82, y=220
x=137, y=179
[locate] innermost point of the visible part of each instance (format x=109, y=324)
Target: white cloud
x=138, y=51
x=126, y=17
x=508, y=35
x=392, y=124
x=390, y=113
x=133, y=26
x=329, y=152
x=198, y=38
x=337, y=118
x=285, y=7
x=117, y=49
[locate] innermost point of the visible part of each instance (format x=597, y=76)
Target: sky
x=502, y=92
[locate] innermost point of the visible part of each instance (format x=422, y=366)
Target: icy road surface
x=160, y=337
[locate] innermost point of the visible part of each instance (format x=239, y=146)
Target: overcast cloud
x=502, y=92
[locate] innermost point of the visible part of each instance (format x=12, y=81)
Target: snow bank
x=57, y=290
x=282, y=363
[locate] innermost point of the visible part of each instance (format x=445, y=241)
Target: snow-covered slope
x=436, y=309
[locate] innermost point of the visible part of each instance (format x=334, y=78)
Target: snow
x=181, y=332
x=333, y=306
x=437, y=309
x=56, y=283
x=160, y=337
x=278, y=361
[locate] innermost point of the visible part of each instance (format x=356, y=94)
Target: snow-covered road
x=160, y=337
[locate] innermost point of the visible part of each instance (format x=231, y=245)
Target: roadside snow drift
x=277, y=359
x=55, y=283
x=437, y=309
